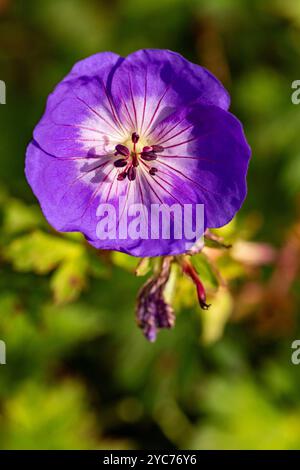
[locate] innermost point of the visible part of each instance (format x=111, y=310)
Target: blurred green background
x=79, y=373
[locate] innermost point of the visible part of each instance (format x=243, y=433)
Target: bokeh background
x=79, y=373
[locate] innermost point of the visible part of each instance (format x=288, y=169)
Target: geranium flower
x=151, y=128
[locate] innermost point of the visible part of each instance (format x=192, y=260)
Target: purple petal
x=208, y=151
x=80, y=117
x=152, y=83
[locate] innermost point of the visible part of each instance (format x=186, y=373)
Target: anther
x=153, y=171
x=120, y=163
x=131, y=173
x=122, y=150
x=157, y=148
x=148, y=156
x=122, y=176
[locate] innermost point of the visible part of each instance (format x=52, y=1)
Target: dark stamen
x=122, y=176
x=153, y=171
x=147, y=149
x=131, y=173
x=157, y=148
x=135, y=138
x=148, y=156
x=122, y=150
x=120, y=163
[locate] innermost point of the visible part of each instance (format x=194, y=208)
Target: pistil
x=135, y=138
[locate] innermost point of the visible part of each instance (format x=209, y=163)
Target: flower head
x=148, y=129
x=152, y=310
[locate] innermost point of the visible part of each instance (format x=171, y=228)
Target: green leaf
x=69, y=279
x=19, y=217
x=40, y=252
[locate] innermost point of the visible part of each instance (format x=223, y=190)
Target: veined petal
x=206, y=147
x=150, y=84
x=68, y=190
x=80, y=118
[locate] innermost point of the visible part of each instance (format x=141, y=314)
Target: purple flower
x=151, y=128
